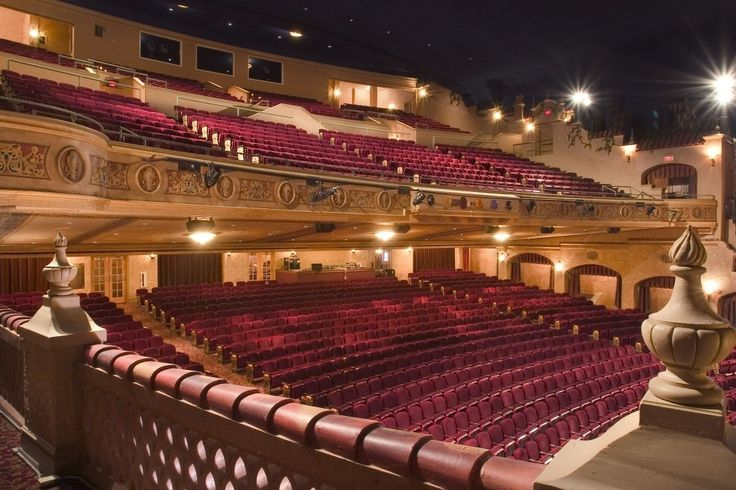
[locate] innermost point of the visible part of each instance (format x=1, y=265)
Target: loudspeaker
x=402, y=228
x=324, y=227
x=404, y=191
x=546, y=229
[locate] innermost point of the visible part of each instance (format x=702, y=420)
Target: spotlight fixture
x=430, y=200
x=546, y=229
x=212, y=175
x=402, y=228
x=200, y=230
x=324, y=227
x=613, y=229
x=313, y=181
x=385, y=235
x=530, y=205
x=650, y=209
x=508, y=205
x=584, y=209
x=324, y=193
x=723, y=88
x=581, y=97
x=419, y=198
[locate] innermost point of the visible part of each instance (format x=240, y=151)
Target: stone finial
x=60, y=272
x=688, y=250
x=687, y=335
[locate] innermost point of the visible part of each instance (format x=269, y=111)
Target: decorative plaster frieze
x=185, y=183
x=256, y=190
x=111, y=175
x=23, y=160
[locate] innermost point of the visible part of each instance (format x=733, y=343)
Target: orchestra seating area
x=464, y=357
x=122, y=331
x=408, y=118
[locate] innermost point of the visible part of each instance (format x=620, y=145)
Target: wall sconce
x=559, y=267
x=422, y=92
x=710, y=287
x=336, y=93
x=152, y=256
x=229, y=254
x=502, y=256
x=410, y=249
x=629, y=151
x=713, y=153
x=529, y=126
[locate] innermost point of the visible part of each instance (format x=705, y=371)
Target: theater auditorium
x=284, y=246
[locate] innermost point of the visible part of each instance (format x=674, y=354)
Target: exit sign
x=668, y=158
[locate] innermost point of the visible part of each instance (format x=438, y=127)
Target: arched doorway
x=675, y=179
x=533, y=270
x=727, y=307
x=652, y=293
x=601, y=284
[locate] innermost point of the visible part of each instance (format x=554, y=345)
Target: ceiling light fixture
x=296, y=34
x=200, y=230
x=501, y=236
x=90, y=70
x=385, y=235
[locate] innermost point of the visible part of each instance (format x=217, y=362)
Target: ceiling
x=34, y=233
x=631, y=54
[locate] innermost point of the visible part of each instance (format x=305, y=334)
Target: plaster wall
x=484, y=260
x=137, y=264
x=536, y=275
x=402, y=261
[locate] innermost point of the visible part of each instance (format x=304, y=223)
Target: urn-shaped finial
x=60, y=272
x=687, y=335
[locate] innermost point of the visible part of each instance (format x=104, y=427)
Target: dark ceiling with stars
x=627, y=53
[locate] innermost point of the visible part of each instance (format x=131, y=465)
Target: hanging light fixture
x=200, y=230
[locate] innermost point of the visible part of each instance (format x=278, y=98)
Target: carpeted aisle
x=14, y=473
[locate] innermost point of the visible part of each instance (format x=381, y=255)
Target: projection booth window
x=214, y=60
x=160, y=49
x=265, y=70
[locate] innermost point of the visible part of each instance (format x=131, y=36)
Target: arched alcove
x=675, y=179
x=574, y=286
x=647, y=300
x=532, y=269
x=727, y=307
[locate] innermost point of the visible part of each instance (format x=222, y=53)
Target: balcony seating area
x=152, y=78
x=112, y=111
x=312, y=105
x=523, y=170
x=365, y=155
x=408, y=118
x=122, y=331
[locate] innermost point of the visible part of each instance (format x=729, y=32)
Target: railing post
x=53, y=344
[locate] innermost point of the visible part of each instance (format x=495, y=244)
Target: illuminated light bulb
x=385, y=235
x=581, y=97
x=296, y=34
x=422, y=92
x=34, y=33
x=336, y=92
x=391, y=106
x=497, y=115
x=559, y=267
x=724, y=89
x=710, y=286
x=501, y=256
x=501, y=236
x=529, y=127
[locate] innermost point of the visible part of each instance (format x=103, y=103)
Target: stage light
x=418, y=199
x=200, y=230
x=581, y=97
x=323, y=193
x=211, y=176
x=385, y=235
x=501, y=236
x=723, y=88
x=295, y=34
